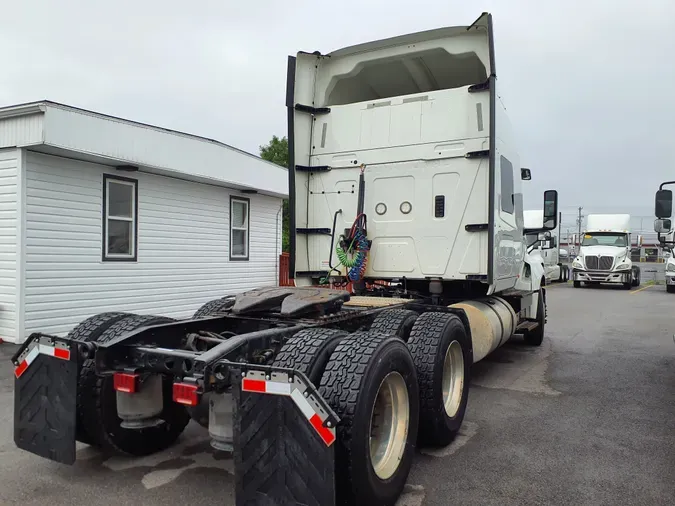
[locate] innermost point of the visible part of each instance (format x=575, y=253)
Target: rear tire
x=441, y=350
x=200, y=412
x=395, y=322
x=536, y=337
x=351, y=384
x=99, y=406
x=90, y=330
x=309, y=351
x=214, y=307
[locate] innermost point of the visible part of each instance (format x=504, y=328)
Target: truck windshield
x=604, y=239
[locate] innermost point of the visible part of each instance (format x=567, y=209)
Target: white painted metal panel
x=405, y=111
x=183, y=255
x=21, y=130
x=182, y=154
x=9, y=214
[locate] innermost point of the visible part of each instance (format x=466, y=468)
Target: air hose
x=355, y=256
x=352, y=248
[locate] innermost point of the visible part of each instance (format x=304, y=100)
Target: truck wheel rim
x=389, y=425
x=453, y=378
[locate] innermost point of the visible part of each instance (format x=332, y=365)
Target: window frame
x=511, y=197
x=105, y=256
x=241, y=200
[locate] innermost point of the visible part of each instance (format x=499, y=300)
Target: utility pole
x=579, y=219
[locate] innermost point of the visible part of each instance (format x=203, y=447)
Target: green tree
x=276, y=151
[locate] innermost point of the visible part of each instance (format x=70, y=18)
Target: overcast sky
x=588, y=85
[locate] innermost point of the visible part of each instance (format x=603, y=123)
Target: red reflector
x=185, y=393
x=325, y=434
x=21, y=368
x=251, y=385
x=62, y=353
x=125, y=382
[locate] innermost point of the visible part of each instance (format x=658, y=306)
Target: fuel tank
x=492, y=321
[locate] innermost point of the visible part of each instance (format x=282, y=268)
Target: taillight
x=125, y=382
x=185, y=393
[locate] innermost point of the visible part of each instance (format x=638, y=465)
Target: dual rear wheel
x=403, y=383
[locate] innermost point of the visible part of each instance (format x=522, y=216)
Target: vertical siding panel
x=183, y=241
x=8, y=243
x=21, y=130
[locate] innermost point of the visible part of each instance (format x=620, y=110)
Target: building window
x=506, y=169
x=120, y=220
x=239, y=228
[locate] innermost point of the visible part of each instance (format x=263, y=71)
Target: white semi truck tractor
x=663, y=226
x=544, y=245
x=410, y=265
x=604, y=255
x=669, y=265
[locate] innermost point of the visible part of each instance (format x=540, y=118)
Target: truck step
x=527, y=326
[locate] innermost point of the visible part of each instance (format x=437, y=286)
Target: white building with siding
x=103, y=214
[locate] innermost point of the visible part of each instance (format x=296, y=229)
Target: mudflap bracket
x=284, y=435
x=45, y=394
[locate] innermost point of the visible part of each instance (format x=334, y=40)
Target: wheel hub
x=389, y=423
x=453, y=378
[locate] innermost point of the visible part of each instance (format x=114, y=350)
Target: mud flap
x=45, y=391
x=283, y=442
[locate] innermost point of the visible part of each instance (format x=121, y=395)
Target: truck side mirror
x=525, y=174
x=550, y=209
x=662, y=226
x=663, y=207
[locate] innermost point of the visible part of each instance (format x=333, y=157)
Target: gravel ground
x=588, y=418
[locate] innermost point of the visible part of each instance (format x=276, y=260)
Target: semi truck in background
x=670, y=262
x=405, y=184
x=663, y=226
x=544, y=245
x=605, y=253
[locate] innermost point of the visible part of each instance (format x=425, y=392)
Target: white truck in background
x=544, y=246
x=670, y=269
x=663, y=226
x=604, y=254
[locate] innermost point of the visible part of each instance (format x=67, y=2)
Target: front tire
x=670, y=288
x=441, y=349
x=371, y=384
x=577, y=284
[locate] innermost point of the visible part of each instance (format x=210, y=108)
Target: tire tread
x=392, y=321
x=300, y=351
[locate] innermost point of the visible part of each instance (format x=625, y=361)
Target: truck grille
x=595, y=263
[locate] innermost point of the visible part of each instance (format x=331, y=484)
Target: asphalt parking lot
x=586, y=419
